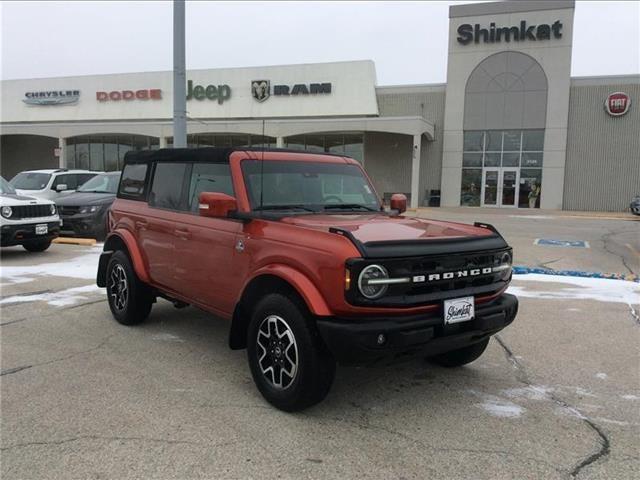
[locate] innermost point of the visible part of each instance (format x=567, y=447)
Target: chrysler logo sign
x=617, y=104
x=52, y=97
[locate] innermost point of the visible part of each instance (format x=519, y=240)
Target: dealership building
x=510, y=128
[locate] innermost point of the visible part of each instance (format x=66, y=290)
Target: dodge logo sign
x=617, y=104
x=260, y=89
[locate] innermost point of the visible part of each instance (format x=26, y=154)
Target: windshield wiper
x=285, y=207
x=349, y=206
x=94, y=191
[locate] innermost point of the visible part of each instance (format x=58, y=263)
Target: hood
x=79, y=199
x=382, y=228
x=10, y=199
x=379, y=236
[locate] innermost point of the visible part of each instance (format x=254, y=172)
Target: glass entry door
x=509, y=185
x=490, y=178
x=500, y=187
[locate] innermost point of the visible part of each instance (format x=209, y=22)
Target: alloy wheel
x=118, y=287
x=277, y=352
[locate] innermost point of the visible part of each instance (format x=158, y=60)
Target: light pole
x=179, y=77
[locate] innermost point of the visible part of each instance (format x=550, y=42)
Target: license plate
x=458, y=310
x=42, y=229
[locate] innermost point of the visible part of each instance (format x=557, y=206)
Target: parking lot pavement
x=613, y=241
x=557, y=395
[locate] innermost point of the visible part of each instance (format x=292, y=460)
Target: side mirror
x=399, y=202
x=214, y=204
x=61, y=187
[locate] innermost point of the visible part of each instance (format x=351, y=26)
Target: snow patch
x=167, y=337
x=496, y=406
x=62, y=298
x=578, y=288
x=531, y=392
x=630, y=397
x=83, y=267
x=601, y=376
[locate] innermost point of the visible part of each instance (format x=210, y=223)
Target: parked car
x=50, y=184
x=85, y=212
x=308, y=274
x=634, y=206
x=27, y=221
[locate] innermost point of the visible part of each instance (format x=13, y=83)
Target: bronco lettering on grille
x=434, y=277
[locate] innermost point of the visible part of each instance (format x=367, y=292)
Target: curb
x=576, y=273
x=75, y=241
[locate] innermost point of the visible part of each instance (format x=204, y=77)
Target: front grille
x=67, y=210
x=420, y=293
x=30, y=211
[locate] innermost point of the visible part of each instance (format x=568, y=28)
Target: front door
x=509, y=187
x=500, y=187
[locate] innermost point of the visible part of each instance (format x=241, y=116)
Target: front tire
x=130, y=300
x=290, y=364
x=37, y=245
x=462, y=356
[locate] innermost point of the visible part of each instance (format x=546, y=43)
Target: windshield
x=5, y=187
x=30, y=181
x=308, y=186
x=101, y=184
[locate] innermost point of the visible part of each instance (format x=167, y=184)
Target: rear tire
x=289, y=362
x=130, y=300
x=37, y=245
x=462, y=356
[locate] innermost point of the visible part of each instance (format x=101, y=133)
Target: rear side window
x=132, y=184
x=208, y=177
x=70, y=180
x=167, y=188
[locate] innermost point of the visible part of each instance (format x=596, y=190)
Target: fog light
x=382, y=339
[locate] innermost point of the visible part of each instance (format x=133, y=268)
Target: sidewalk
x=524, y=212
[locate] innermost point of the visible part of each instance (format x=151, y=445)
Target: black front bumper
x=355, y=341
x=19, y=234
x=89, y=224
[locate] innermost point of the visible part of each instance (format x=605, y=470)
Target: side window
x=132, y=183
x=209, y=177
x=69, y=180
x=84, y=178
x=168, y=181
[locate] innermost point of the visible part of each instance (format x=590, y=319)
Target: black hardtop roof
x=203, y=154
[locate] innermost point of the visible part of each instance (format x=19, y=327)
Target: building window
x=104, y=152
x=348, y=144
x=502, y=150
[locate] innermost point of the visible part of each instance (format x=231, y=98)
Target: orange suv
x=296, y=250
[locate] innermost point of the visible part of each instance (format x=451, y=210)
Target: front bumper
x=87, y=224
x=355, y=341
x=18, y=234
x=635, y=208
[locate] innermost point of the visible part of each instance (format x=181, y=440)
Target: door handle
x=141, y=224
x=183, y=234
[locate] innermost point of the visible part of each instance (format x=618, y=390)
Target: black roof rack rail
x=60, y=170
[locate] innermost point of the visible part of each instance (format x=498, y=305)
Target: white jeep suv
x=30, y=222
x=50, y=184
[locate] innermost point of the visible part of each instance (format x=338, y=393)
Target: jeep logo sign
x=617, y=104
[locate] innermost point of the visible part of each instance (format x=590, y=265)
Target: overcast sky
x=406, y=40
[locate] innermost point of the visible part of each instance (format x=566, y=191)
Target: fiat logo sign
x=617, y=104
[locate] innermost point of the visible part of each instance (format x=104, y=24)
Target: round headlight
x=6, y=212
x=52, y=209
x=367, y=281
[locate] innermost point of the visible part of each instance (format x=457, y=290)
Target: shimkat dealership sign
x=468, y=33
